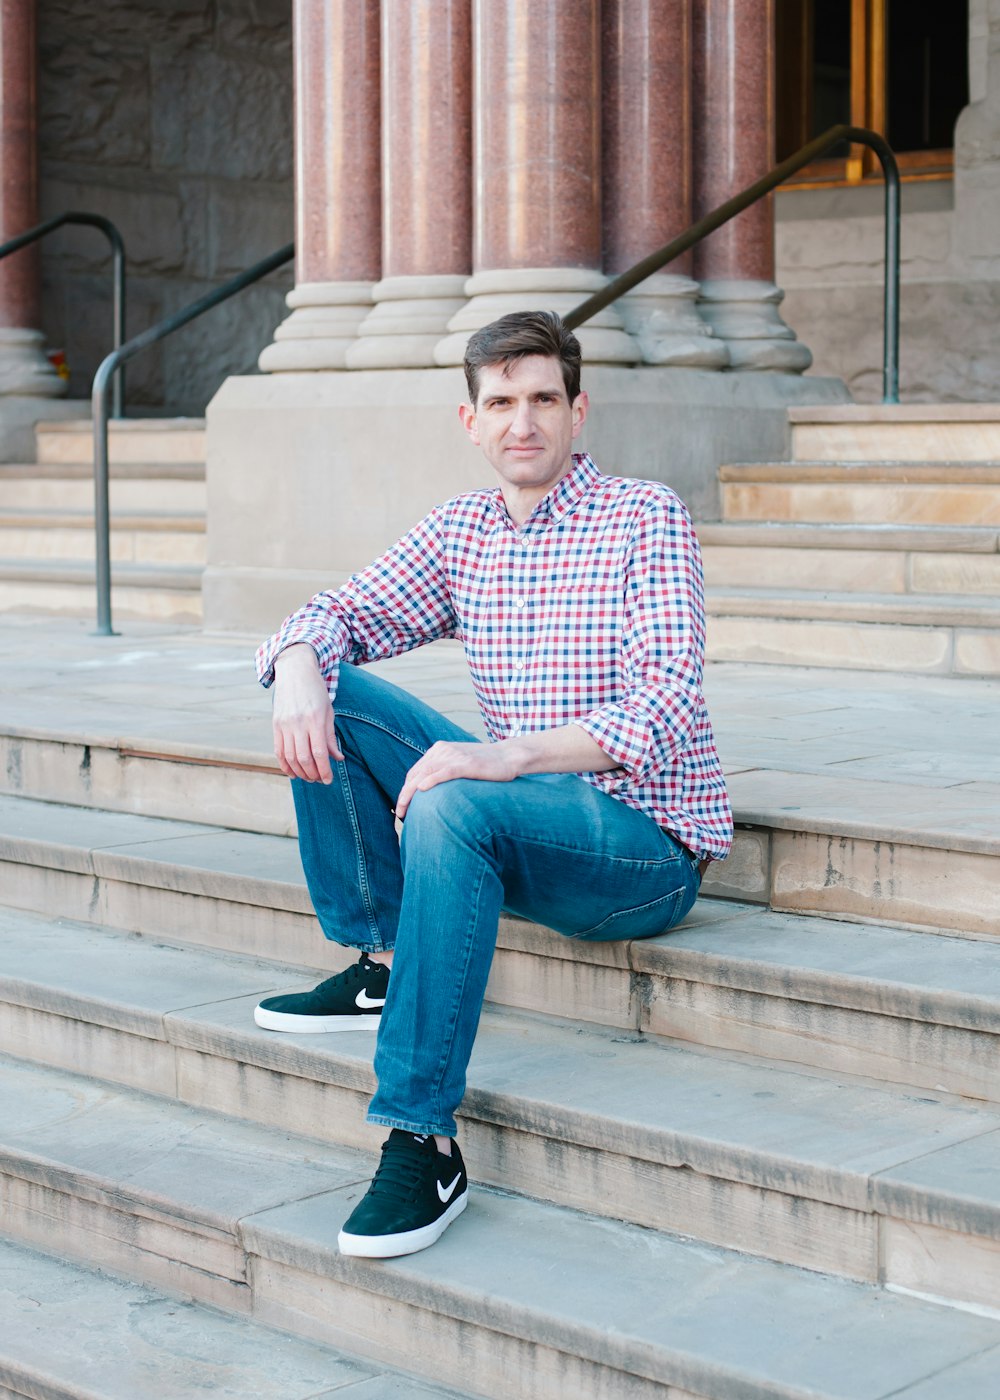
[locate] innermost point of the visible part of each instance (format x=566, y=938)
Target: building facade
x=441, y=161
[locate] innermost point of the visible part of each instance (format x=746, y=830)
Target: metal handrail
x=99, y=398
x=113, y=236
x=890, y=170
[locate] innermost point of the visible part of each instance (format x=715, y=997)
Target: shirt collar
x=565, y=496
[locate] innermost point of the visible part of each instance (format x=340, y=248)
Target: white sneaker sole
x=313, y=1025
x=408, y=1242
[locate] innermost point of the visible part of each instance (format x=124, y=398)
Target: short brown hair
x=522, y=333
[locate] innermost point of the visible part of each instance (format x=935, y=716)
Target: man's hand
x=494, y=763
x=302, y=718
x=567, y=749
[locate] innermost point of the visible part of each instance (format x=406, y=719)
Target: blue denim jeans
x=549, y=847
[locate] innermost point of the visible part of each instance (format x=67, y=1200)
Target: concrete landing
x=67, y=1331
x=862, y=795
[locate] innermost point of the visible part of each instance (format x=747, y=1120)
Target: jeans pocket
x=645, y=920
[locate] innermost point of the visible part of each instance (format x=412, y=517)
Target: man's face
x=525, y=423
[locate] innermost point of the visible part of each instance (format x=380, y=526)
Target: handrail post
x=625, y=281
x=102, y=508
x=117, y=244
x=118, y=310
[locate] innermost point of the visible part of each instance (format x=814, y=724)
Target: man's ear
x=468, y=416
x=580, y=406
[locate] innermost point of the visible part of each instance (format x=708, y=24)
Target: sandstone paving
x=933, y=732
x=732, y=1115
x=125, y=980
x=975, y=1379
x=892, y=970
x=113, y=1145
x=68, y=1330
x=680, y=1313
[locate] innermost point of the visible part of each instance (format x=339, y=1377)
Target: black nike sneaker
x=350, y=1001
x=415, y=1195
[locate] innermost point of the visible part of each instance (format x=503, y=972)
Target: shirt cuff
x=621, y=739
x=326, y=654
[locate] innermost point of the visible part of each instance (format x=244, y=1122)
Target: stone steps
x=148, y=592
x=956, y=634
x=174, y=488
x=136, y=538
x=665, y=1317
x=826, y=1173
x=869, y=999
x=840, y=846
x=157, y=496
x=70, y=1331
x=946, y=432
x=881, y=559
x=847, y=493
x=154, y=441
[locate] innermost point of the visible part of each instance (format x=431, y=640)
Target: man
x=593, y=809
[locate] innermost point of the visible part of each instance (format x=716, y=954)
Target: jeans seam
x=384, y=728
x=359, y=851
x=448, y=1040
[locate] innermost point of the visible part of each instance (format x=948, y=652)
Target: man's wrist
x=297, y=654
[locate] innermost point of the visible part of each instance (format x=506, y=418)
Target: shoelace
x=399, y=1175
x=357, y=972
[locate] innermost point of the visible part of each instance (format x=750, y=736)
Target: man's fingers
x=330, y=738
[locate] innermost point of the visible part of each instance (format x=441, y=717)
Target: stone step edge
x=181, y=522
x=344, y=1062
x=936, y=539
x=861, y=609
x=152, y=424
x=820, y=472
x=110, y=862
x=53, y=1372
x=185, y=577
x=287, y=1234
x=118, y=471
x=895, y=413
x=496, y=1312
x=205, y=756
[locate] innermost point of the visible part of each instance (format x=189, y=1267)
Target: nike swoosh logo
x=366, y=1002
x=445, y=1193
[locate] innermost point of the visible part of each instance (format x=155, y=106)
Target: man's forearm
x=568, y=749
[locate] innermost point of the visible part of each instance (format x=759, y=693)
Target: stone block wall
x=829, y=246
x=174, y=119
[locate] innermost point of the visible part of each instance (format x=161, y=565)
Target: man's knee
x=455, y=810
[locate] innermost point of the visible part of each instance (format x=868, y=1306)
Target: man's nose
x=523, y=423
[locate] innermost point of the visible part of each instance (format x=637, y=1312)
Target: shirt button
x=518, y=665
x=519, y=602
x=515, y=732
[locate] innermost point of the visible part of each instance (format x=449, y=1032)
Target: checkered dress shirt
x=590, y=613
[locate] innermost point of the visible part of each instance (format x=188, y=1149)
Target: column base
x=24, y=367
x=662, y=318
x=744, y=314
x=603, y=340
x=19, y=415
x=409, y=317
x=323, y=325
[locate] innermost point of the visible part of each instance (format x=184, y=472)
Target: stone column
x=426, y=182
x=733, y=64
x=24, y=369
x=977, y=147
x=537, y=171
x=647, y=175
x=337, y=183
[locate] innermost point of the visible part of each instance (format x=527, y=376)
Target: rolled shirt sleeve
x=397, y=603
x=664, y=646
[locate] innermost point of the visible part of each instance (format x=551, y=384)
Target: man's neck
x=521, y=501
